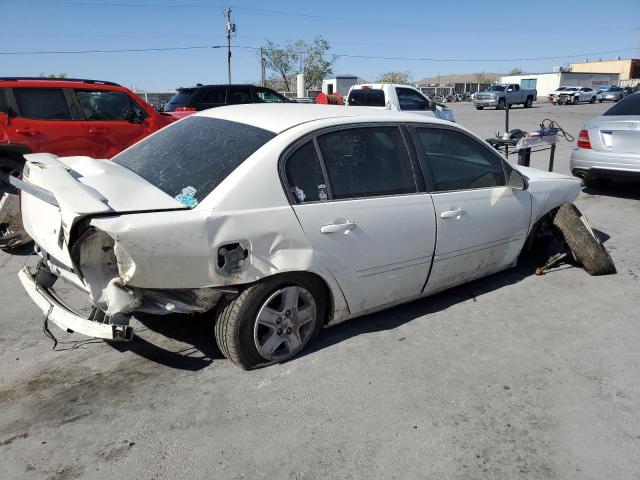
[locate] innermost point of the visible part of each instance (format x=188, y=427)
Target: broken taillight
x=583, y=139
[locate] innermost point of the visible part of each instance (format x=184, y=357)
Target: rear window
x=180, y=99
x=366, y=97
x=629, y=105
x=42, y=103
x=190, y=158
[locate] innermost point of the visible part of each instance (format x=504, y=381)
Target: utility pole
x=262, y=67
x=231, y=28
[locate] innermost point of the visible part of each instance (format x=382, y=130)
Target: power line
x=345, y=55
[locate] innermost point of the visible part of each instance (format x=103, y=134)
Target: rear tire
x=582, y=241
x=528, y=103
x=244, y=331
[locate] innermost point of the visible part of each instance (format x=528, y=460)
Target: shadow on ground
x=197, y=330
x=618, y=189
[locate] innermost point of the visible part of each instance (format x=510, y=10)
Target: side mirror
x=131, y=116
x=509, y=89
x=517, y=181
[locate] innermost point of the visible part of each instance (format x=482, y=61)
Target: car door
x=46, y=122
x=357, y=196
x=481, y=222
x=113, y=121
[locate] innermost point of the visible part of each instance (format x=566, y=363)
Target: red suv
x=67, y=117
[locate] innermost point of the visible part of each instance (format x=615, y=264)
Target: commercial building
x=627, y=68
x=339, y=84
x=546, y=83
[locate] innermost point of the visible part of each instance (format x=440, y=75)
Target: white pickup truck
x=398, y=98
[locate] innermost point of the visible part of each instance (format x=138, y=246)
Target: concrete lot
x=513, y=376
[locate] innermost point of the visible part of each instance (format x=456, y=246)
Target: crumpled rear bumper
x=65, y=318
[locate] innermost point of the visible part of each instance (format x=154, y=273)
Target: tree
x=312, y=59
x=516, y=71
x=54, y=75
x=484, y=78
x=395, y=77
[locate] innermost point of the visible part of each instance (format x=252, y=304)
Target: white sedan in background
x=278, y=220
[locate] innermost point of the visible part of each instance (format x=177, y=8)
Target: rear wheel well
x=291, y=276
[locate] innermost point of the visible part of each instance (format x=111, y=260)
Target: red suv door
x=44, y=122
x=113, y=121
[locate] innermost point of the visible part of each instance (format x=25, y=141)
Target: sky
x=425, y=38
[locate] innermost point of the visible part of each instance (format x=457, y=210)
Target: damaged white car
x=278, y=220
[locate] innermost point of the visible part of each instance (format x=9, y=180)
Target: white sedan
x=278, y=220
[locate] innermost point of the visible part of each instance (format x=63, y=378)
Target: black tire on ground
x=501, y=104
x=593, y=100
x=235, y=320
x=479, y=108
x=576, y=100
x=600, y=100
x=528, y=103
x=583, y=243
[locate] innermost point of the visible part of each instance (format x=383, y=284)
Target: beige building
x=627, y=68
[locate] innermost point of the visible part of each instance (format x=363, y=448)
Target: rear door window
x=239, y=95
x=367, y=97
x=190, y=158
x=42, y=103
x=367, y=162
x=108, y=105
x=213, y=97
x=629, y=105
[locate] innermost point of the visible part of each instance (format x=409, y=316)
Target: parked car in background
x=499, y=96
x=65, y=117
x=555, y=93
x=201, y=97
x=612, y=93
x=575, y=95
x=352, y=210
x=609, y=145
x=399, y=98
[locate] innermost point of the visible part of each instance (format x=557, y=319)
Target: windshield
x=190, y=158
x=180, y=99
x=629, y=105
x=496, y=88
x=560, y=89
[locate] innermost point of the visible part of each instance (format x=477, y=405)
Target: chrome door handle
x=457, y=213
x=338, y=227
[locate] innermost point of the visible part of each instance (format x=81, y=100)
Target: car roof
x=6, y=82
x=280, y=117
x=218, y=85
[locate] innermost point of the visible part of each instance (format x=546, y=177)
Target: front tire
x=501, y=104
x=576, y=100
x=593, y=100
x=479, y=108
x=582, y=241
x=272, y=320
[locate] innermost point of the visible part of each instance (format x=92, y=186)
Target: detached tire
x=272, y=320
x=583, y=243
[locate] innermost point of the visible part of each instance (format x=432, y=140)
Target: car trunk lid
x=620, y=135
x=57, y=192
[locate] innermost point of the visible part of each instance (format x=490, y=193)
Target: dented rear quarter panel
x=179, y=249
